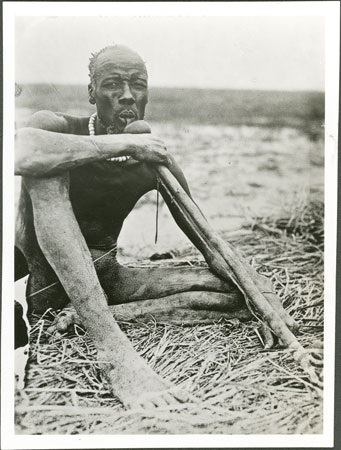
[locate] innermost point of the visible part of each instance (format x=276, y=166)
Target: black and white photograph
x=174, y=181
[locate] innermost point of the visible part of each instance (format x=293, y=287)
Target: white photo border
x=330, y=11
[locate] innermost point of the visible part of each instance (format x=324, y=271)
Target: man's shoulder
x=57, y=121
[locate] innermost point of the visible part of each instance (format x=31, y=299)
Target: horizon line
x=272, y=89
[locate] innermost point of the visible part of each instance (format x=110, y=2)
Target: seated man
x=81, y=177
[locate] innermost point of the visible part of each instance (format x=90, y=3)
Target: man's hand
x=148, y=148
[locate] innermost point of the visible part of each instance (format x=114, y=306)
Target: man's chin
x=114, y=129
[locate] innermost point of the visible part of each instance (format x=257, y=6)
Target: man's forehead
x=120, y=58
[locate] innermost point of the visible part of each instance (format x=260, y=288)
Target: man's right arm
x=45, y=148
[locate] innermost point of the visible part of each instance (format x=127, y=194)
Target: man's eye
x=112, y=85
x=139, y=86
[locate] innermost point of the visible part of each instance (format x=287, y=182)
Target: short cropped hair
x=93, y=59
x=94, y=56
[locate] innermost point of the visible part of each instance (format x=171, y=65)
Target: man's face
x=121, y=88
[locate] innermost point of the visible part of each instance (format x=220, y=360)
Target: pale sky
x=218, y=52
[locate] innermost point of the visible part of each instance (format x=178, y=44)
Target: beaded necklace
x=91, y=126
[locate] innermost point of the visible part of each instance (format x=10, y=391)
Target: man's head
x=118, y=86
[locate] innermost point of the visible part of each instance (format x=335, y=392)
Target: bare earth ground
x=263, y=189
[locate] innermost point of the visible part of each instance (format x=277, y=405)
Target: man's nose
x=126, y=98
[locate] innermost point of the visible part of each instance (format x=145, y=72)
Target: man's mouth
x=127, y=116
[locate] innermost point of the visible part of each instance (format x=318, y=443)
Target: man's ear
x=91, y=94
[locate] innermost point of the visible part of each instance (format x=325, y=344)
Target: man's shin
x=65, y=249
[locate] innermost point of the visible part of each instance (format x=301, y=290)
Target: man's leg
x=186, y=308
x=173, y=295
x=186, y=295
x=64, y=247
x=132, y=284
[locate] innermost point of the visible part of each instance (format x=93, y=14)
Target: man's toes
x=317, y=344
x=181, y=396
x=170, y=399
x=142, y=402
x=68, y=321
x=63, y=323
x=178, y=396
x=147, y=404
x=292, y=324
x=54, y=335
x=175, y=399
x=160, y=401
x=51, y=329
x=268, y=336
x=164, y=399
x=59, y=326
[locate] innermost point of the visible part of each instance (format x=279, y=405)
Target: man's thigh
x=125, y=284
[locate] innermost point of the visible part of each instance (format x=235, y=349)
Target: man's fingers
x=151, y=149
x=167, y=161
x=163, y=157
x=158, y=157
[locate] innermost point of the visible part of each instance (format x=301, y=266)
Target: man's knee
x=53, y=216
x=48, y=191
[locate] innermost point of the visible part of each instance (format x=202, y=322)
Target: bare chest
x=107, y=189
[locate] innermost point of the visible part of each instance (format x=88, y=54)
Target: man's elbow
x=26, y=152
x=21, y=168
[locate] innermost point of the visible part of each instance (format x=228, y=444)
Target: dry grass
x=240, y=388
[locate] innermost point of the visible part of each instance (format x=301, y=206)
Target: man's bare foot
x=274, y=300
x=64, y=322
x=136, y=384
x=129, y=376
